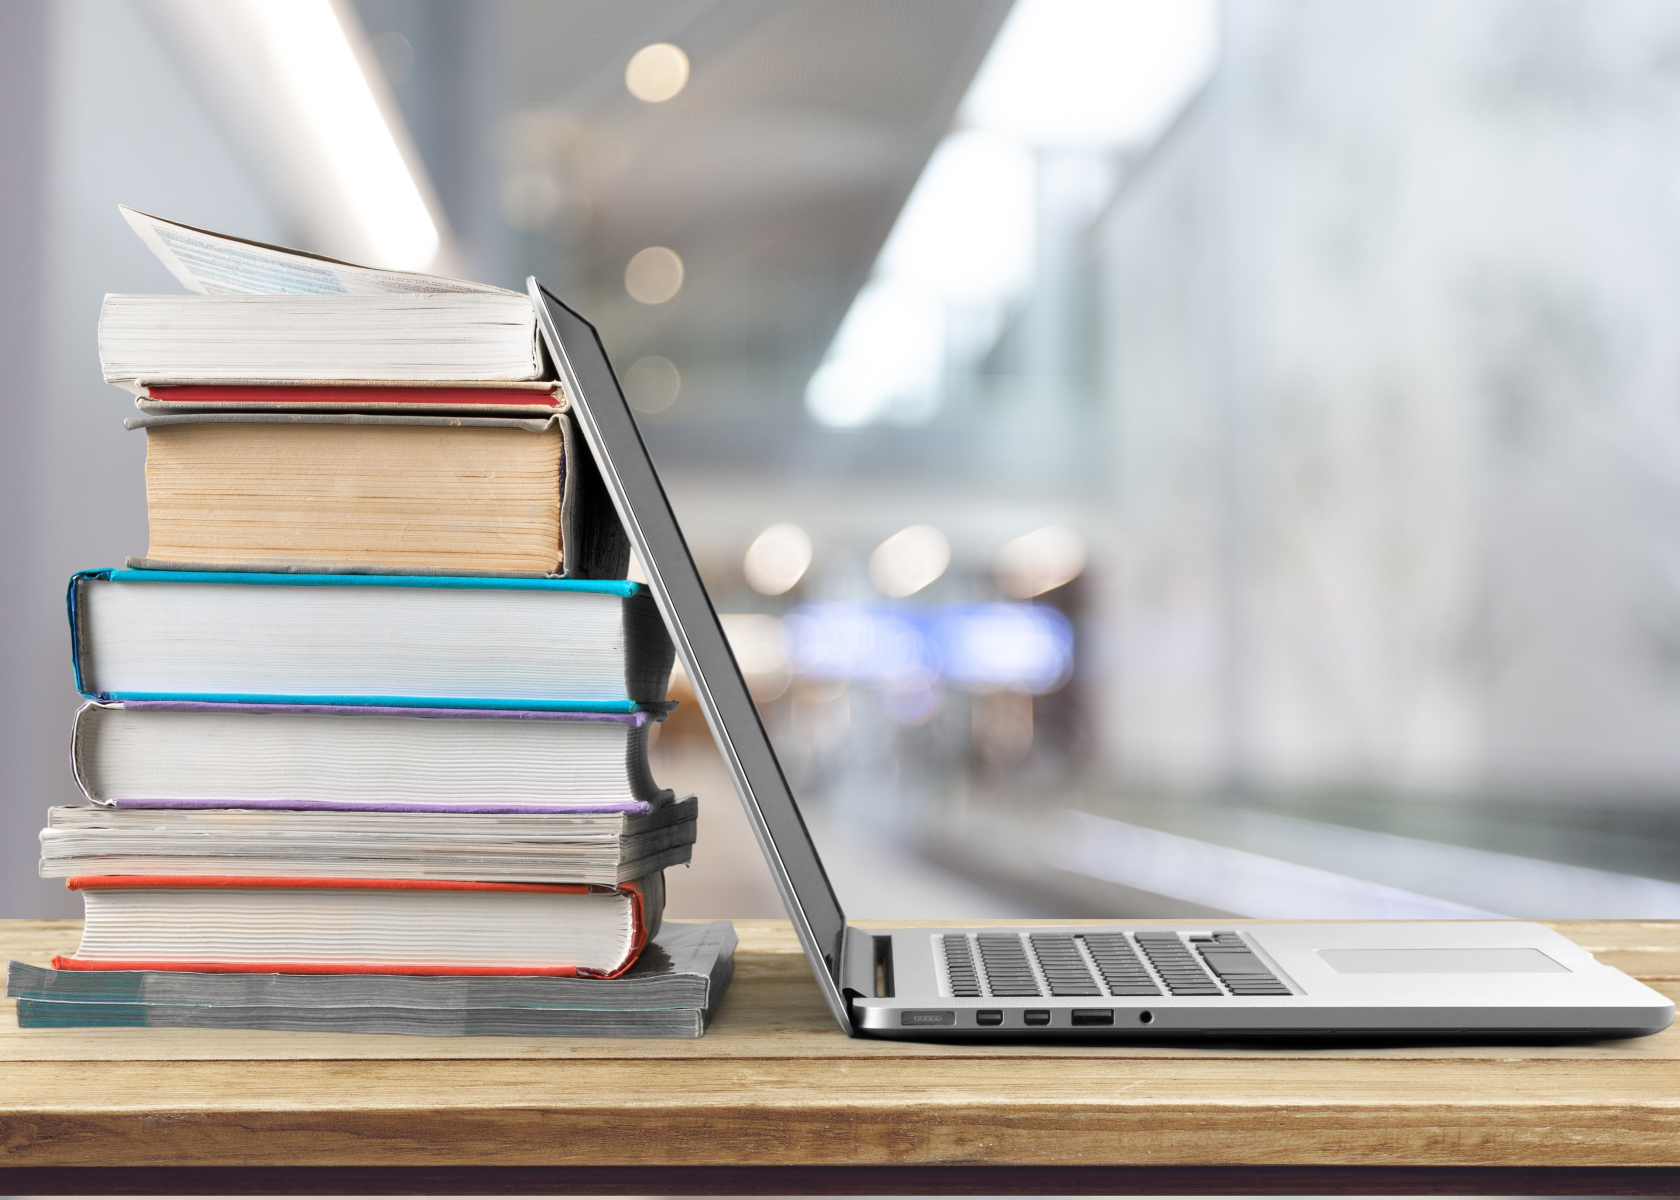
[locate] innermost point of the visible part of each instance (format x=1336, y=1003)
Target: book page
x=216, y=264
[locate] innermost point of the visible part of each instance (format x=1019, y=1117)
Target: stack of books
x=365, y=743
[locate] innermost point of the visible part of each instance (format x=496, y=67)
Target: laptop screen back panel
x=610, y=430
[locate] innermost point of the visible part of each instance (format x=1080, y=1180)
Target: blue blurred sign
x=1021, y=646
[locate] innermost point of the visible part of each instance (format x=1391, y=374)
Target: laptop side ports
x=1093, y=1016
x=1036, y=1016
x=989, y=1016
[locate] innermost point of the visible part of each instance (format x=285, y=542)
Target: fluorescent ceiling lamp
x=967, y=228
x=1093, y=73
x=329, y=92
x=963, y=241
x=1080, y=75
x=879, y=363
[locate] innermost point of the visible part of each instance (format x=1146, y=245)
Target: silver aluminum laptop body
x=1147, y=980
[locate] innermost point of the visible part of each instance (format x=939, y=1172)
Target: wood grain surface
x=775, y=1088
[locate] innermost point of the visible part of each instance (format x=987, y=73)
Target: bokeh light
x=1039, y=561
x=756, y=640
x=909, y=560
x=657, y=72
x=654, y=275
x=652, y=384
x=777, y=559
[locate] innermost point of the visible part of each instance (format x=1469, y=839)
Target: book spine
x=73, y=603
x=595, y=544
x=80, y=769
x=649, y=653
x=643, y=924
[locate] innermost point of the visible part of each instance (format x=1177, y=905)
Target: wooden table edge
x=955, y=1179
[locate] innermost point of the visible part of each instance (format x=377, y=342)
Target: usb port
x=989, y=1016
x=1093, y=1016
x=1036, y=1016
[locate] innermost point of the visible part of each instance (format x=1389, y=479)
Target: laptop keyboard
x=959, y=966
x=1176, y=966
x=1150, y=962
x=1007, y=970
x=1121, y=969
x=1064, y=967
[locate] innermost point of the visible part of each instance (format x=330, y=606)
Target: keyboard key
x=1007, y=970
x=959, y=966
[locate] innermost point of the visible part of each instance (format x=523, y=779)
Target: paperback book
x=673, y=990
x=576, y=846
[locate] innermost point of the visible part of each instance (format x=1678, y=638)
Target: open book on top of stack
x=376, y=702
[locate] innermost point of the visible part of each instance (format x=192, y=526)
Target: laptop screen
x=628, y=473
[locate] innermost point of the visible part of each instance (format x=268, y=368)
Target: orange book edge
x=638, y=925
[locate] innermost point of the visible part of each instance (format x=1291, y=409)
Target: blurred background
x=1153, y=458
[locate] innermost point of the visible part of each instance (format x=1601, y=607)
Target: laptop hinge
x=858, y=966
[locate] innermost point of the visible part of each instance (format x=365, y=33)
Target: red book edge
x=89, y=883
x=638, y=926
x=293, y=394
x=63, y=963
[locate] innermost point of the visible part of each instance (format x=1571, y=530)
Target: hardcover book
x=375, y=493
x=305, y=926
x=190, y=754
x=379, y=641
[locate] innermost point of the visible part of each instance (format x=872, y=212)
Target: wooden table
x=774, y=1099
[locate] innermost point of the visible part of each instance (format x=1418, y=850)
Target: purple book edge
x=634, y=807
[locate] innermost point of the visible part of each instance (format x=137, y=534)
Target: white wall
x=116, y=124
x=1391, y=341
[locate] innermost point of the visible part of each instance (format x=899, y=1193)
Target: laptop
x=1149, y=981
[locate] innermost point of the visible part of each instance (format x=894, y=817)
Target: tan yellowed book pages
x=338, y=496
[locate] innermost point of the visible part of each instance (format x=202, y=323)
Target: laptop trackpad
x=1505, y=960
